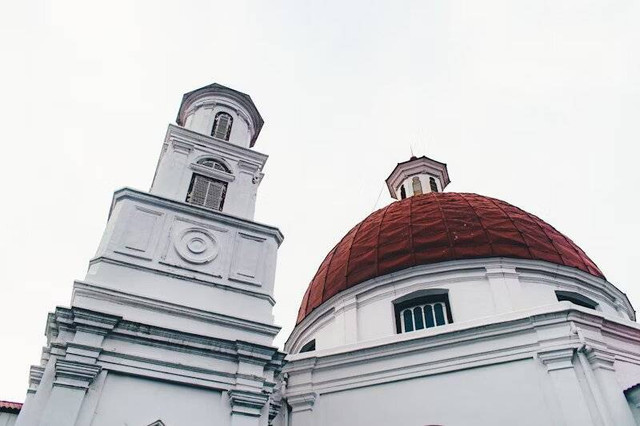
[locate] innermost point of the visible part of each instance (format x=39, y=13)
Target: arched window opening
x=309, y=346
x=403, y=193
x=222, y=126
x=433, y=184
x=214, y=164
x=206, y=192
x=423, y=312
x=417, y=185
x=576, y=299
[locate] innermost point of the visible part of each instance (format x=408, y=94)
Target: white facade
x=514, y=354
x=173, y=323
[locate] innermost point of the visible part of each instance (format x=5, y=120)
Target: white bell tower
x=173, y=322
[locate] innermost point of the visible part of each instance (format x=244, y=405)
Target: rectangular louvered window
x=222, y=126
x=423, y=312
x=207, y=192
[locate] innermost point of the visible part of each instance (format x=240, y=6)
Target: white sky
x=536, y=102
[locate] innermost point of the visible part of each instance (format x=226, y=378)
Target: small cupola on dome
x=221, y=113
x=417, y=176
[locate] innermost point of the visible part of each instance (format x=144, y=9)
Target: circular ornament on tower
x=196, y=245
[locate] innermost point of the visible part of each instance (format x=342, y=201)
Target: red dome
x=437, y=227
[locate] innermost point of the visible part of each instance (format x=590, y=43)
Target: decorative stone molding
x=246, y=402
x=181, y=147
x=557, y=359
x=95, y=323
x=302, y=401
x=208, y=171
x=274, y=409
x=196, y=245
x=35, y=376
x=75, y=374
x=599, y=357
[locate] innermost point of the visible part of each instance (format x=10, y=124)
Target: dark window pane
x=408, y=320
x=433, y=185
x=417, y=314
x=439, y=314
x=428, y=315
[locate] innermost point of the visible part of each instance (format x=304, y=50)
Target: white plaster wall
x=8, y=419
x=477, y=289
x=126, y=400
x=424, y=180
x=483, y=396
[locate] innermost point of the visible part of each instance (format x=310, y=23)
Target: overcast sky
x=535, y=102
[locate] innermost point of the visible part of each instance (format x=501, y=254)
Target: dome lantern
x=417, y=176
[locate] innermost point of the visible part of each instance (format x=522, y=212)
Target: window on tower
x=403, y=193
x=222, y=126
x=214, y=164
x=417, y=185
x=423, y=312
x=207, y=192
x=433, y=184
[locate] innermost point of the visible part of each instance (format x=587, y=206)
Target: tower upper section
x=417, y=176
x=207, y=160
x=222, y=113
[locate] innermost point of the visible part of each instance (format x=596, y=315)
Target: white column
x=601, y=363
x=302, y=408
x=504, y=285
x=246, y=407
x=568, y=392
x=72, y=381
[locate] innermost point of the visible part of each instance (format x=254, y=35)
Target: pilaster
x=601, y=363
x=569, y=395
x=302, y=407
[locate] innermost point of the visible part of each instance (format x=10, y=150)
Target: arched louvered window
x=214, y=164
x=423, y=312
x=417, y=185
x=433, y=184
x=403, y=193
x=207, y=192
x=222, y=126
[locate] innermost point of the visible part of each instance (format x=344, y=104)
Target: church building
x=441, y=308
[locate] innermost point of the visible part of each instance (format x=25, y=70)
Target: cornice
x=181, y=134
x=183, y=277
x=96, y=292
x=512, y=338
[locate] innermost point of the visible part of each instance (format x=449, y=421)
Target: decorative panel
x=142, y=228
x=248, y=259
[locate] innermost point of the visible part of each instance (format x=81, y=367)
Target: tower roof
x=438, y=227
x=415, y=166
x=224, y=91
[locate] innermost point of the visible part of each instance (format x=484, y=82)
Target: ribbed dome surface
x=438, y=227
